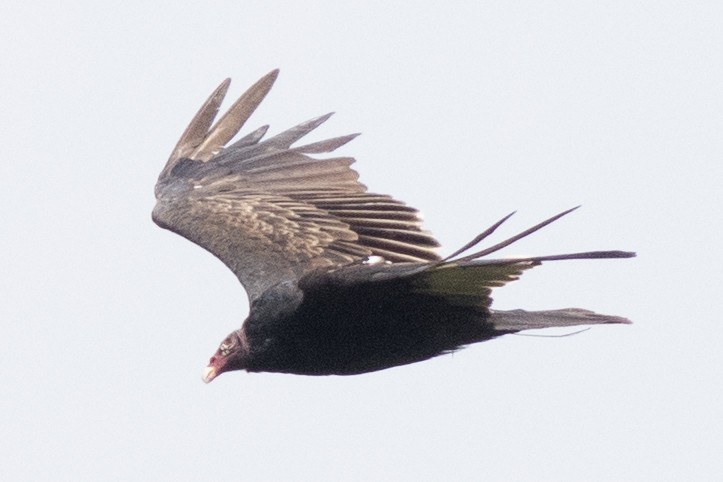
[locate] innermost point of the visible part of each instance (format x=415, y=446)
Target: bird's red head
x=231, y=355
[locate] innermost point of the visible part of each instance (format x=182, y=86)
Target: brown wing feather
x=271, y=212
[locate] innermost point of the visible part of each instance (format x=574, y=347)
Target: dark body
x=327, y=328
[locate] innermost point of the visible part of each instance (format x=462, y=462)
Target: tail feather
x=518, y=320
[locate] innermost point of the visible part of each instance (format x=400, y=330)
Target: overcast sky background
x=468, y=111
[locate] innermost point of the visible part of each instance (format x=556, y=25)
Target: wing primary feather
x=285, y=139
x=586, y=255
x=327, y=145
x=234, y=119
x=198, y=127
x=514, y=238
x=299, y=165
x=249, y=139
x=479, y=238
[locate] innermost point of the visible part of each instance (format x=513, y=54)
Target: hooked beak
x=209, y=373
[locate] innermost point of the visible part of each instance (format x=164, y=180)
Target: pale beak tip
x=209, y=373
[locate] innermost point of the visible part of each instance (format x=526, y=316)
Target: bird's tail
x=518, y=320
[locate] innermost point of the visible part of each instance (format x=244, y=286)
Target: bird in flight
x=340, y=281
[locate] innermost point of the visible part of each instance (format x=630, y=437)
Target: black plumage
x=340, y=280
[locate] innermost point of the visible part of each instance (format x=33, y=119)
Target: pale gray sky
x=468, y=111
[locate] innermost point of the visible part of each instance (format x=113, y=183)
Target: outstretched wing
x=271, y=212
x=461, y=279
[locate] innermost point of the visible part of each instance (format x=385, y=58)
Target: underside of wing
x=272, y=212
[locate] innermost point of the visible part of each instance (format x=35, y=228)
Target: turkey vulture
x=340, y=280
